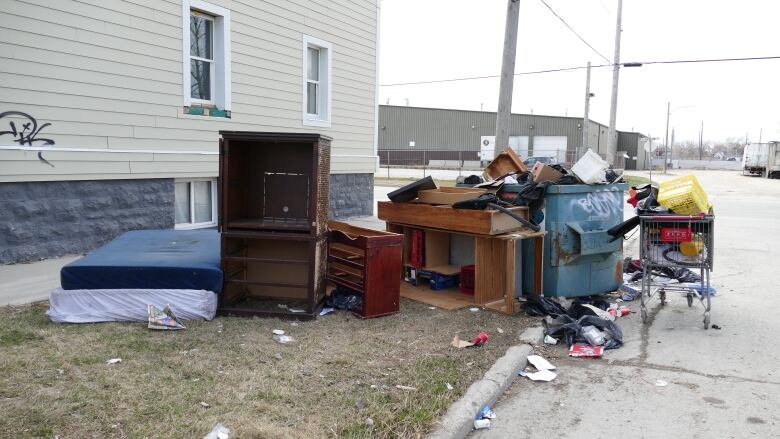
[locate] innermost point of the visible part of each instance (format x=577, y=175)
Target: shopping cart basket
x=669, y=242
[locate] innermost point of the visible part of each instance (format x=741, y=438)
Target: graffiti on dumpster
x=599, y=205
x=26, y=133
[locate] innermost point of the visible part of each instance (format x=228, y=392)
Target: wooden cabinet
x=367, y=261
x=273, y=222
x=274, y=181
x=497, y=261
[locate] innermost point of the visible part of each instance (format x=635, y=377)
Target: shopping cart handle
x=674, y=217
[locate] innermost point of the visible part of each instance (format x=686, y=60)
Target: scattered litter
x=278, y=332
x=114, y=361
x=283, y=339
x=581, y=350
x=500, y=331
x=542, y=375
x=281, y=305
x=486, y=413
x=449, y=386
x=431, y=307
x=296, y=310
x=400, y=387
x=661, y=383
x=162, y=318
x=62, y=371
x=480, y=339
x=369, y=422
x=630, y=291
x=600, y=312
x=218, y=432
x=327, y=310
x=522, y=373
x=460, y=344
x=205, y=405
x=540, y=363
x=481, y=423
x=715, y=327
x=550, y=340
x=473, y=309
x=593, y=335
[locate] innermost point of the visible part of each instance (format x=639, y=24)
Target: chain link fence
x=470, y=160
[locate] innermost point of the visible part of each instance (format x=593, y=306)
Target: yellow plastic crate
x=683, y=195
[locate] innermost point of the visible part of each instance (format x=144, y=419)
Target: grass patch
x=340, y=370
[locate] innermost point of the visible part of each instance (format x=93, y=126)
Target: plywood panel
x=490, y=269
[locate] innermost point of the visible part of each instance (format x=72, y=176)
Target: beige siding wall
x=107, y=74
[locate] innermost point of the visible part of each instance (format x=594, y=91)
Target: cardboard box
x=542, y=172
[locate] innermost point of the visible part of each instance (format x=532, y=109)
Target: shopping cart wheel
x=662, y=295
x=707, y=320
x=643, y=313
x=689, y=296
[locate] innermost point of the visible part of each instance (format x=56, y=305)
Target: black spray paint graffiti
x=28, y=134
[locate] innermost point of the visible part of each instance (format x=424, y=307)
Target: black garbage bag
x=344, y=298
x=473, y=179
x=570, y=329
x=543, y=306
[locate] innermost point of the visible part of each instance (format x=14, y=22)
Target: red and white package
x=582, y=350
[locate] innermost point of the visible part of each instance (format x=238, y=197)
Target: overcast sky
x=439, y=39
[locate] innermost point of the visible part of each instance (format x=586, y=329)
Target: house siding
x=107, y=76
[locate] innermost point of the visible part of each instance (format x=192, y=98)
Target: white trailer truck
x=761, y=159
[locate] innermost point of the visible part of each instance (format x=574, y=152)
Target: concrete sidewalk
x=23, y=283
x=721, y=383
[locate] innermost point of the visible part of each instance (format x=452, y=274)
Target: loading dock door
x=551, y=146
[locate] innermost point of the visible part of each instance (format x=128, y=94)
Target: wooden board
x=448, y=195
x=489, y=269
x=481, y=222
x=505, y=162
x=444, y=299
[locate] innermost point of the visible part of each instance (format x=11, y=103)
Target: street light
x=668, y=113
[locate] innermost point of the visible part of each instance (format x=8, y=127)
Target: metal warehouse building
x=415, y=136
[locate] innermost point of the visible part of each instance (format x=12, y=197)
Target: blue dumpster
x=579, y=259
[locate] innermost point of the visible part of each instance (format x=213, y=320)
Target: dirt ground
x=339, y=371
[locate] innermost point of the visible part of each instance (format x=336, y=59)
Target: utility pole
x=612, y=134
x=666, y=142
x=760, y=134
x=503, y=115
x=586, y=118
x=701, y=139
x=671, y=147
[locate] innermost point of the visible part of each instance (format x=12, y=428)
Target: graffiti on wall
x=26, y=132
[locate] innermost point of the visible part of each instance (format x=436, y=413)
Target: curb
x=458, y=421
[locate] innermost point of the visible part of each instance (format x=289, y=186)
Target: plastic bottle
x=593, y=335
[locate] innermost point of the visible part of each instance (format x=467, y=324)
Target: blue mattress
x=150, y=259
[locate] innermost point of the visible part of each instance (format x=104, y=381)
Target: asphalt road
x=721, y=383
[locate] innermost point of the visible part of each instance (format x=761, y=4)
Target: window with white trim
x=316, y=81
x=195, y=202
x=206, y=58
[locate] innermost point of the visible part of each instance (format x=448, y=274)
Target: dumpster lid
x=584, y=188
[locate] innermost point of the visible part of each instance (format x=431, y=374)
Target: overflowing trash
x=544, y=369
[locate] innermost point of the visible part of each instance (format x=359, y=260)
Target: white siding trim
x=222, y=58
x=103, y=150
x=325, y=85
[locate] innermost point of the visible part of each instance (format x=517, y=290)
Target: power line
x=567, y=69
x=574, y=31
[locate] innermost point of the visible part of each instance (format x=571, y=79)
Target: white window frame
x=214, y=203
x=323, y=117
x=220, y=78
x=211, y=62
